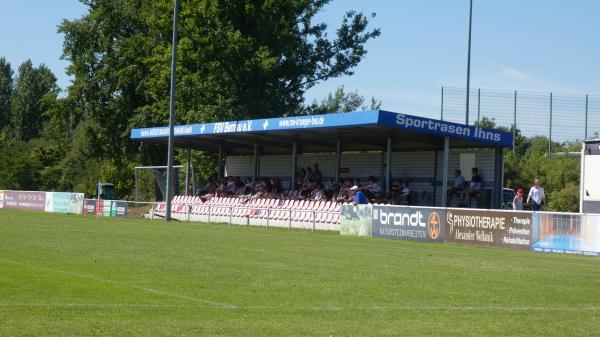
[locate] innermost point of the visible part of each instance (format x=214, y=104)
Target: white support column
x=497, y=194
x=445, y=171
x=388, y=166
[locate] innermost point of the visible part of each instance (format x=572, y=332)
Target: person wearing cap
x=518, y=200
x=357, y=196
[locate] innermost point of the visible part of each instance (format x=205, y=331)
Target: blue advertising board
x=261, y=125
x=408, y=223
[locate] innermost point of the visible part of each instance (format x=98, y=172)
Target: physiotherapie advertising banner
x=566, y=233
x=484, y=227
x=408, y=223
x=25, y=200
x=355, y=220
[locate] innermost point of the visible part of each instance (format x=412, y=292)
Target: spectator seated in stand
x=208, y=190
x=358, y=198
x=318, y=193
x=316, y=174
x=397, y=186
x=333, y=189
x=373, y=190
x=308, y=183
x=405, y=195
x=276, y=189
x=231, y=188
x=248, y=186
x=473, y=188
x=221, y=191
x=457, y=187
x=345, y=194
x=260, y=189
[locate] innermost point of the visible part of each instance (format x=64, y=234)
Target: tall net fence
x=556, y=116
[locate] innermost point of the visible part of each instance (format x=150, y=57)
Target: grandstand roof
x=357, y=131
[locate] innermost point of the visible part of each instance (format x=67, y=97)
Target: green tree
x=6, y=87
x=34, y=91
x=237, y=59
x=19, y=165
x=342, y=101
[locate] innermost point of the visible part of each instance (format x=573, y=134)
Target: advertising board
x=105, y=207
x=89, y=207
x=118, y=208
x=64, y=202
x=1, y=199
x=489, y=228
x=355, y=220
x=566, y=233
x=408, y=223
x=35, y=201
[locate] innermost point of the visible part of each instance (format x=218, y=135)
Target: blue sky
x=531, y=45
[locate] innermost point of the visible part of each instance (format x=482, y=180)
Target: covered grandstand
x=378, y=143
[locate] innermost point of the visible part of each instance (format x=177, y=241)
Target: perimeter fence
x=559, y=117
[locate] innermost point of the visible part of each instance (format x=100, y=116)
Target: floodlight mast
x=469, y=63
x=172, y=114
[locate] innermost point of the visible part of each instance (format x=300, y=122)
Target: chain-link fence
x=556, y=116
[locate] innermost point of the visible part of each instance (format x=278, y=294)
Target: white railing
x=263, y=215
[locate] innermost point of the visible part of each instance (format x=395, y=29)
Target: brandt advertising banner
x=355, y=220
x=490, y=228
x=566, y=233
x=34, y=201
x=408, y=223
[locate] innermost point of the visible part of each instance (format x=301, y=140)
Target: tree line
x=237, y=59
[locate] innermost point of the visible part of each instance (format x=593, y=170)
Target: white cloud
x=514, y=73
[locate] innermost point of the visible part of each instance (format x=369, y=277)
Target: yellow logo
x=433, y=225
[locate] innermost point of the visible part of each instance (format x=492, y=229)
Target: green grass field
x=66, y=275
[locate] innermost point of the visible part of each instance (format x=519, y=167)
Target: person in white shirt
x=536, y=197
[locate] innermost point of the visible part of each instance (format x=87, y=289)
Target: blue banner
x=349, y=119
x=260, y=125
x=408, y=223
x=445, y=129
